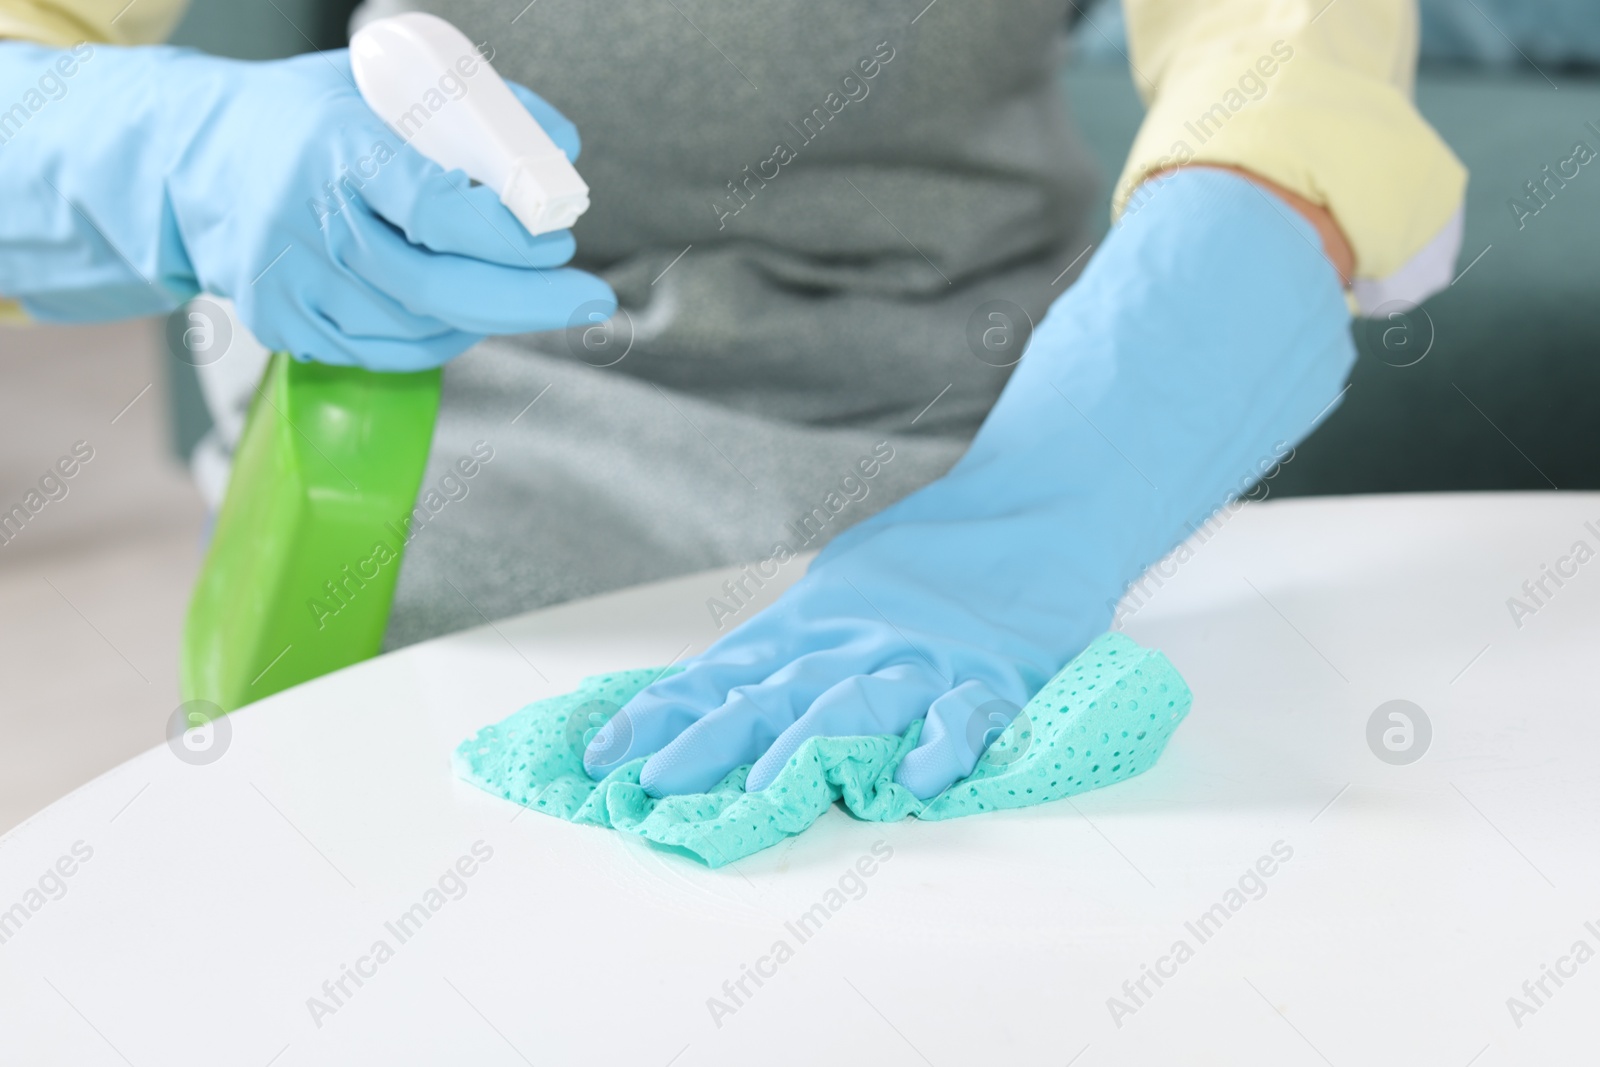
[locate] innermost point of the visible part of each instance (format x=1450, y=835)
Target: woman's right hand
x=136, y=178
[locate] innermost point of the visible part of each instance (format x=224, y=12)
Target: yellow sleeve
x=66, y=22
x=1312, y=94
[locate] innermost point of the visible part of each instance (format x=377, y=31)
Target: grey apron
x=829, y=226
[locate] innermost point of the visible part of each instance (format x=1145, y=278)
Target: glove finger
x=469, y=294
x=360, y=309
x=960, y=725
x=749, y=721
x=341, y=319
x=387, y=338
x=443, y=211
x=464, y=219
x=378, y=353
x=749, y=654
x=553, y=122
x=344, y=322
x=885, y=702
x=662, y=711
x=321, y=339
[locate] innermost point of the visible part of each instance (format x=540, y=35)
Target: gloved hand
x=147, y=175
x=1206, y=336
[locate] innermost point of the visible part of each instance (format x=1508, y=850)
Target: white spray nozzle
x=427, y=81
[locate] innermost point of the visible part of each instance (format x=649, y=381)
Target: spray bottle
x=302, y=566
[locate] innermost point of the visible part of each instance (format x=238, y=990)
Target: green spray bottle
x=301, y=571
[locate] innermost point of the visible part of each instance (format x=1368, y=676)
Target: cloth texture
x=1104, y=718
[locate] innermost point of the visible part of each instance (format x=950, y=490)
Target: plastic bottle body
x=301, y=571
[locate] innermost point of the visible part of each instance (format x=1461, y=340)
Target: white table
x=1418, y=898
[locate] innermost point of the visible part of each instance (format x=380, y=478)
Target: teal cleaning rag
x=1106, y=717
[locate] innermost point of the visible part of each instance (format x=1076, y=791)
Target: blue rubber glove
x=1207, y=335
x=135, y=178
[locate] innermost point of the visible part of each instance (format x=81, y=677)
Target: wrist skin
x=1335, y=247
